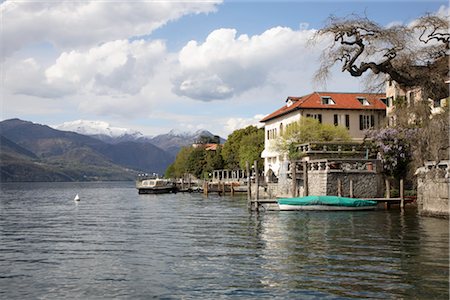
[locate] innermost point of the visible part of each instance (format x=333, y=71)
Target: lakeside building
x=356, y=111
x=410, y=96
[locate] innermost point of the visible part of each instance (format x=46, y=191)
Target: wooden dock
x=222, y=188
x=272, y=204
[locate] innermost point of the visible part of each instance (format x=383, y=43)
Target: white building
x=356, y=111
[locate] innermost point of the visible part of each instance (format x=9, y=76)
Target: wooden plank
x=266, y=201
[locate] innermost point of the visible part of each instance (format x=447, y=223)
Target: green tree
x=308, y=130
x=231, y=148
x=251, y=147
x=196, y=161
x=179, y=166
x=214, y=160
x=170, y=171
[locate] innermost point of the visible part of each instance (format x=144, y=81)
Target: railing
x=332, y=148
x=343, y=165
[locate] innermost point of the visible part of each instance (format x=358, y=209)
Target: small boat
x=155, y=186
x=77, y=198
x=325, y=203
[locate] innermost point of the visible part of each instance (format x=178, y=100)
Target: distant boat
x=77, y=198
x=155, y=186
x=325, y=203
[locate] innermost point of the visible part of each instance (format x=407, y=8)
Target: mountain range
x=35, y=152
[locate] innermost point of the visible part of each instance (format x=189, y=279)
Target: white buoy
x=77, y=198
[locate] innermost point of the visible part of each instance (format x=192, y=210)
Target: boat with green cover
x=325, y=203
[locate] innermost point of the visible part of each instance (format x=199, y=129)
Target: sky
x=154, y=66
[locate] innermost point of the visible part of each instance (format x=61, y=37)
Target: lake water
x=118, y=244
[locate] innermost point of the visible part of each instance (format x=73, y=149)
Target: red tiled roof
x=211, y=147
x=341, y=100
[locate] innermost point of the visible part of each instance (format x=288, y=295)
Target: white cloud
x=226, y=65
x=233, y=124
x=27, y=77
x=444, y=11
x=68, y=24
x=114, y=68
x=117, y=67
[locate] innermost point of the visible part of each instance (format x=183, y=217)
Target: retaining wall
x=433, y=194
x=365, y=184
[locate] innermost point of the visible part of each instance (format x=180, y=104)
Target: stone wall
x=365, y=184
x=433, y=193
x=274, y=190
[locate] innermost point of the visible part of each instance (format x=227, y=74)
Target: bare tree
x=413, y=56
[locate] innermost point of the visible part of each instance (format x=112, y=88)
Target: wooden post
x=205, y=188
x=256, y=181
x=249, y=186
x=388, y=188
x=182, y=183
x=305, y=178
x=387, y=205
x=402, y=200
x=339, y=187
x=294, y=178
x=232, y=190
x=223, y=188
x=351, y=188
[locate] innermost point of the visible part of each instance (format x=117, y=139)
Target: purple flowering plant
x=393, y=146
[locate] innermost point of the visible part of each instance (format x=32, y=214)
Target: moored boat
x=325, y=203
x=155, y=186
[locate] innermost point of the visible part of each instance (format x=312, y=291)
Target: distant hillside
x=33, y=152
x=8, y=146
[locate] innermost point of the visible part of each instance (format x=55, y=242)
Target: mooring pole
x=249, y=186
x=305, y=178
x=294, y=178
x=205, y=188
x=339, y=187
x=402, y=192
x=388, y=193
x=256, y=182
x=351, y=188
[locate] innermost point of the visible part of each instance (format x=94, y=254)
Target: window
x=327, y=100
x=315, y=116
x=271, y=134
x=340, y=119
x=366, y=121
x=363, y=100
x=385, y=101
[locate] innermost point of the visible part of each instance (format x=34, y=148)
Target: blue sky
x=157, y=66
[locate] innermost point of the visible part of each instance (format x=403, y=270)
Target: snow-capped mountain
x=170, y=142
x=101, y=130
x=175, y=139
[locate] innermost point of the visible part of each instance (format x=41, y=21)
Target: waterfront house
x=356, y=111
x=410, y=96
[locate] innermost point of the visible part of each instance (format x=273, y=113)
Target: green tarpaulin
x=326, y=200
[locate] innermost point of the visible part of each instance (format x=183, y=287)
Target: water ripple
x=118, y=244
